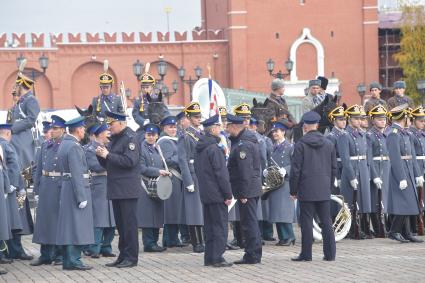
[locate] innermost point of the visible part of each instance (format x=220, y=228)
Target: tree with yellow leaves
x=412, y=48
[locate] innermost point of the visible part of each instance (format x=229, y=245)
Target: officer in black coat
x=313, y=170
x=244, y=166
x=216, y=193
x=121, y=160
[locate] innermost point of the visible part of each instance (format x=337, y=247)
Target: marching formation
x=192, y=177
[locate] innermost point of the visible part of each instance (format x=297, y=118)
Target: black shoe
x=115, y=263
x=328, y=259
x=413, y=239
x=126, y=263
x=222, y=264
x=5, y=260
x=269, y=239
x=244, y=261
x=397, y=237
x=108, y=255
x=2, y=271
x=154, y=249
x=39, y=262
x=87, y=253
x=57, y=262
x=78, y=267
x=286, y=243
x=299, y=258
x=186, y=241
x=24, y=256
x=198, y=248
x=229, y=246
x=95, y=256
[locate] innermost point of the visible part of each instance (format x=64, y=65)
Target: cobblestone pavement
x=378, y=260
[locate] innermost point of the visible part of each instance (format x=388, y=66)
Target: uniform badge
x=131, y=146
x=242, y=154
x=395, y=130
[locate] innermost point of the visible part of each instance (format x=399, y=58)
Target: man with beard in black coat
x=216, y=193
x=313, y=170
x=245, y=177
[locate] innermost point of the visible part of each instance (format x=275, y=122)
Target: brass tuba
x=273, y=179
x=342, y=223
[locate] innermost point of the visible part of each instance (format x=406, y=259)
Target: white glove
x=190, y=188
x=265, y=173
x=378, y=182
x=12, y=188
x=22, y=193
x=146, y=122
x=282, y=171
x=419, y=181
x=36, y=198
x=403, y=184
x=338, y=183
x=354, y=183
x=335, y=183
x=82, y=204
x=5, y=196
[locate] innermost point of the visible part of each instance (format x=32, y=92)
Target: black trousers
x=401, y=224
x=250, y=230
x=216, y=230
x=322, y=209
x=125, y=212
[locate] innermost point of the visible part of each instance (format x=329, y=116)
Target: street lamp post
x=289, y=65
x=361, y=90
x=137, y=68
x=43, y=60
x=420, y=85
x=182, y=72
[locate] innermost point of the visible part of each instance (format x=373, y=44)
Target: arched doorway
x=85, y=83
x=42, y=88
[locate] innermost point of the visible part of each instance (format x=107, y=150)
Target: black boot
x=366, y=226
x=197, y=247
x=199, y=233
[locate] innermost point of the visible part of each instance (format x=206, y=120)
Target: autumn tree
x=412, y=47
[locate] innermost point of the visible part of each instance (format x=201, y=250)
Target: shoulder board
x=192, y=135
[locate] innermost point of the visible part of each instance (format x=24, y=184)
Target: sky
x=98, y=15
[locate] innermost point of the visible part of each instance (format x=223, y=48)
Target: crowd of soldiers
x=83, y=193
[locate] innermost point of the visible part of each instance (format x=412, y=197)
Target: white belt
x=357, y=157
x=381, y=158
x=420, y=157
x=85, y=176
x=406, y=157
x=51, y=174
x=94, y=174
x=191, y=161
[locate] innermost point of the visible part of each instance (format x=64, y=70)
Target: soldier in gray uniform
x=150, y=208
x=75, y=220
x=418, y=135
x=337, y=116
x=375, y=100
x=379, y=166
x=173, y=212
x=103, y=214
x=141, y=104
x=106, y=101
x=191, y=198
x=4, y=221
x=265, y=146
x=404, y=176
x=23, y=116
x=352, y=150
x=13, y=169
x=47, y=186
x=281, y=205
x=399, y=98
